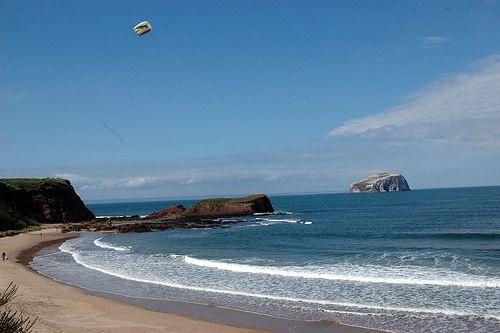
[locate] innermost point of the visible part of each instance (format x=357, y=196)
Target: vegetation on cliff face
x=246, y=199
x=35, y=183
x=27, y=202
x=9, y=221
x=10, y=218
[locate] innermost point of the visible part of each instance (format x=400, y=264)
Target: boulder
x=381, y=182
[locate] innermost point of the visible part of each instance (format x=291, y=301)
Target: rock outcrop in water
x=169, y=213
x=221, y=207
x=27, y=201
x=381, y=182
x=204, y=214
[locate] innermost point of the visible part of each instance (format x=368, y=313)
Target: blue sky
x=235, y=97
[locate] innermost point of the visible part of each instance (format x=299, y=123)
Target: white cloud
x=203, y=177
x=433, y=40
x=459, y=108
x=189, y=181
x=427, y=42
x=140, y=182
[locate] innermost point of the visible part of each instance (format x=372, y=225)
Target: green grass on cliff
x=11, y=221
x=28, y=183
x=13, y=232
x=248, y=198
x=10, y=217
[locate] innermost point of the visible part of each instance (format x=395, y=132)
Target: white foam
x=274, y=213
x=282, y=220
x=79, y=260
x=175, y=256
x=269, y=221
x=358, y=274
x=105, y=245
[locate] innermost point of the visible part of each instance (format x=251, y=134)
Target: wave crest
x=105, y=245
x=269, y=221
x=279, y=212
x=80, y=261
x=362, y=277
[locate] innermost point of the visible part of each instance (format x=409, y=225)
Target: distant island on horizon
x=270, y=194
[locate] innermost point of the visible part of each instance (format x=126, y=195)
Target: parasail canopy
x=143, y=28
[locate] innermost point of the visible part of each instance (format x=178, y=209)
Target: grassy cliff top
x=246, y=199
x=31, y=183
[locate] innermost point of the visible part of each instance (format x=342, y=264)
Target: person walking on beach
x=3, y=256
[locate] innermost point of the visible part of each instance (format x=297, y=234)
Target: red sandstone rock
x=221, y=207
x=169, y=213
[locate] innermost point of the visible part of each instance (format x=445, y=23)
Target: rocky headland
x=29, y=201
x=224, y=207
x=204, y=214
x=381, y=182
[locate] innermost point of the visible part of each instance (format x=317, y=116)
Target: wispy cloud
x=427, y=42
x=174, y=180
x=445, y=134
x=461, y=108
x=10, y=96
x=433, y=40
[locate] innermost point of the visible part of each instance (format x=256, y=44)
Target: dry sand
x=63, y=308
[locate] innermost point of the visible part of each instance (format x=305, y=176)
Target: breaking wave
x=105, y=245
x=274, y=213
x=78, y=259
x=358, y=274
x=268, y=221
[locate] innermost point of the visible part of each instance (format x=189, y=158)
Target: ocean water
x=420, y=261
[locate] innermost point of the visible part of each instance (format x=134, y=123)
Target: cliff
x=258, y=203
x=381, y=182
x=28, y=201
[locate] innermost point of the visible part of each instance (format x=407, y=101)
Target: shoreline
x=25, y=256
x=186, y=317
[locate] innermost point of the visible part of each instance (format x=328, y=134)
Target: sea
x=418, y=261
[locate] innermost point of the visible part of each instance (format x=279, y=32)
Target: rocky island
x=381, y=182
x=218, y=207
x=223, y=207
x=204, y=214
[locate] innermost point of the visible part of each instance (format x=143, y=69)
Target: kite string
x=184, y=68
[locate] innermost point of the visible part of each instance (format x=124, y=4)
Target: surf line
x=79, y=260
x=277, y=271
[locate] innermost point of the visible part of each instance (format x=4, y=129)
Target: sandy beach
x=63, y=308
